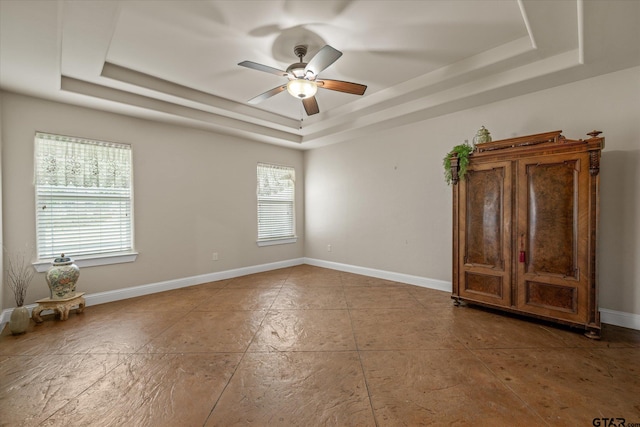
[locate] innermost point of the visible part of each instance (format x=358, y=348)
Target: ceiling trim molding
x=220, y=123
x=580, y=13
x=178, y=92
x=527, y=24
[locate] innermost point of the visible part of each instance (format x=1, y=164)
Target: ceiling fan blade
x=265, y=68
x=325, y=57
x=268, y=94
x=340, y=86
x=311, y=106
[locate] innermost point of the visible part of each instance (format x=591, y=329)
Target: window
x=276, y=208
x=84, y=197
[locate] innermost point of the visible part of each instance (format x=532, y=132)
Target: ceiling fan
x=303, y=78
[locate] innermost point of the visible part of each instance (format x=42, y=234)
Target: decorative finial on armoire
x=594, y=133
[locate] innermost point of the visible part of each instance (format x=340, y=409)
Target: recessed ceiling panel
x=384, y=43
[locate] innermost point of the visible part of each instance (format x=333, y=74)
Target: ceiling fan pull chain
x=301, y=117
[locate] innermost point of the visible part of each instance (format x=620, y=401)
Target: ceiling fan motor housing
x=296, y=71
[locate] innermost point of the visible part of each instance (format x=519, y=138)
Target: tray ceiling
x=177, y=61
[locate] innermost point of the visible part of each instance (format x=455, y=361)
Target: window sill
x=280, y=241
x=90, y=260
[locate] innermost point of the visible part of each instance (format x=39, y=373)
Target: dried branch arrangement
x=19, y=275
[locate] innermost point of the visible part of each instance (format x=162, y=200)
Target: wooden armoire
x=525, y=228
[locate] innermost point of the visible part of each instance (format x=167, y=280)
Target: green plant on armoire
x=462, y=152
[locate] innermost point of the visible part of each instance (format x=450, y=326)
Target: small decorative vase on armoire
x=525, y=228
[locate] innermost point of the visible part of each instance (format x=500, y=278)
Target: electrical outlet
x=214, y=257
x=328, y=248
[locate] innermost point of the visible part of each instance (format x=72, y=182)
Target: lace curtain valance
x=74, y=162
x=275, y=181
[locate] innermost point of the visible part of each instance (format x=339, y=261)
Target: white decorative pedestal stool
x=62, y=306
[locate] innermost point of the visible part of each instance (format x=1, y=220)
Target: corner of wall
x=1, y=221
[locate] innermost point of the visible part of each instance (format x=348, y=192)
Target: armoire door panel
x=484, y=216
x=552, y=213
x=550, y=296
x=552, y=191
x=484, y=284
x=485, y=230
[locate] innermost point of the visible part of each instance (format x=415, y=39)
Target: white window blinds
x=83, y=196
x=276, y=210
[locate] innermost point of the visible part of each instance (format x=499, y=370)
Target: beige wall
x=381, y=201
x=2, y=274
x=195, y=193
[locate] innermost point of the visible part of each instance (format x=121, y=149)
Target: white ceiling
x=177, y=61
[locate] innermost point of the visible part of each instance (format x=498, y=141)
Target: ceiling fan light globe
x=301, y=88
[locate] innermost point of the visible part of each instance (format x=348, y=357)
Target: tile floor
x=310, y=346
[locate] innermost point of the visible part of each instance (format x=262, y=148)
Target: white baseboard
x=620, y=318
x=425, y=282
x=612, y=317
x=137, y=291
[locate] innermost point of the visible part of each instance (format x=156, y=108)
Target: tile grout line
x=244, y=353
x=364, y=375
x=505, y=385
x=77, y=396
